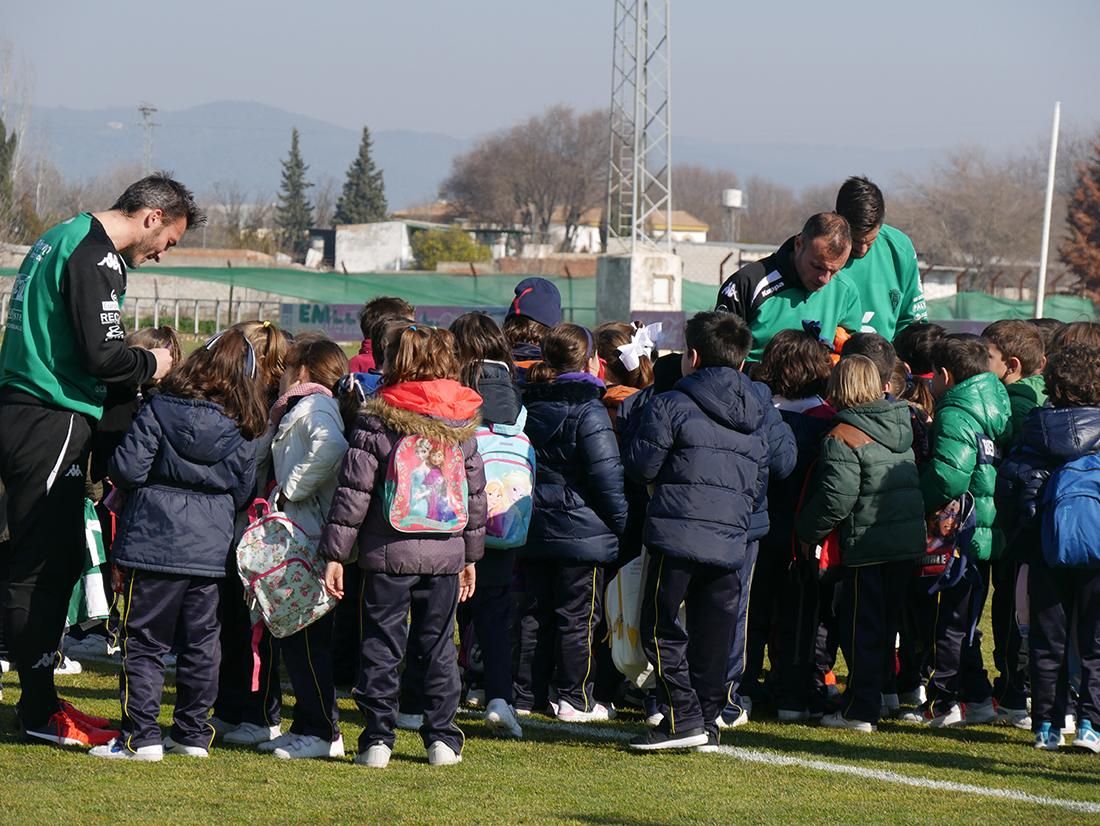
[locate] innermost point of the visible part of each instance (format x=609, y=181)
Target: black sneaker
x=712, y=743
x=657, y=738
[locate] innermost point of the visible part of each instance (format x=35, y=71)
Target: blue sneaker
x=1048, y=738
x=1087, y=738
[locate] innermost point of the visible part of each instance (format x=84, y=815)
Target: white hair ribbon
x=641, y=344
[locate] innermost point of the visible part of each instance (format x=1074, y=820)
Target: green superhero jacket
x=971, y=420
x=888, y=283
x=769, y=296
x=866, y=484
x=64, y=340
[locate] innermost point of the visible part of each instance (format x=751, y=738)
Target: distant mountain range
x=242, y=143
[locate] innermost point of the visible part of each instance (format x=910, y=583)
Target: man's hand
x=466, y=581
x=334, y=579
x=164, y=362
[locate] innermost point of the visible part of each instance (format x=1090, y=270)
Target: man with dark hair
x=795, y=285
x=63, y=344
x=883, y=264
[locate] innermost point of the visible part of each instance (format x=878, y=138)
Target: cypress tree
x=363, y=199
x=294, y=213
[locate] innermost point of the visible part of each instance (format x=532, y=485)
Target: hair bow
x=642, y=343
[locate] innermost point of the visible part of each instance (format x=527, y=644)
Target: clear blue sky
x=879, y=74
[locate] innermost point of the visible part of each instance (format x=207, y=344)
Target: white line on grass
x=773, y=759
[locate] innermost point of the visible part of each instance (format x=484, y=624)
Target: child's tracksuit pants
x=690, y=661
x=1056, y=596
x=386, y=602
x=957, y=669
x=308, y=656
x=161, y=610
x=561, y=606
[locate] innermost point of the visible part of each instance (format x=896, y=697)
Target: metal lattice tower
x=639, y=186
x=147, y=111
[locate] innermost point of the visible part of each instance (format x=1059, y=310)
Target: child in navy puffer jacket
x=187, y=465
x=1064, y=601
x=579, y=514
x=706, y=447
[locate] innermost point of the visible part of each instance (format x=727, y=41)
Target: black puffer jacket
x=579, y=504
x=186, y=470
x=706, y=447
x=1051, y=437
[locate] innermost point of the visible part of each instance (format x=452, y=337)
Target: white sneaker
x=172, y=747
x=891, y=705
x=952, y=718
x=440, y=754
x=5, y=666
x=523, y=712
x=375, y=757
x=300, y=746
x=1071, y=724
x=1018, y=717
x=250, y=734
x=409, y=722
x=978, y=713
x=115, y=750
x=726, y=720
x=475, y=697
x=916, y=697
x=501, y=719
x=838, y=720
x=68, y=667
x=655, y=719
x=599, y=713
x=270, y=745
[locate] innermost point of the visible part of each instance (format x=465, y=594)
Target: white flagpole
x=1040, y=293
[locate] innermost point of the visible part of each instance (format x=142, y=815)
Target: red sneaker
x=65, y=730
x=87, y=719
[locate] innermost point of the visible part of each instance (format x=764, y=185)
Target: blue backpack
x=509, y=461
x=1071, y=515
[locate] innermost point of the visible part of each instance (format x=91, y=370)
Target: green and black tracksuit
x=769, y=296
x=64, y=342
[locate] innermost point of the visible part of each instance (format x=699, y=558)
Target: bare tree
x=548, y=169
x=325, y=193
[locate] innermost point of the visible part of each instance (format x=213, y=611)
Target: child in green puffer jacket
x=866, y=487
x=1017, y=358
x=972, y=416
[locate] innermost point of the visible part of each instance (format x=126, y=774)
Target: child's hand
x=116, y=579
x=466, y=581
x=334, y=579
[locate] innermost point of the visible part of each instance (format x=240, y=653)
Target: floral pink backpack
x=282, y=574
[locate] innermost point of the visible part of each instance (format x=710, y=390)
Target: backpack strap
x=850, y=435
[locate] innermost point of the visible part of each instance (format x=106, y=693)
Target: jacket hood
x=549, y=404
x=887, y=422
x=1032, y=390
x=501, y=401
x=728, y=396
x=197, y=430
x=440, y=398
x=526, y=352
x=395, y=411
x=1065, y=433
x=615, y=396
x=984, y=398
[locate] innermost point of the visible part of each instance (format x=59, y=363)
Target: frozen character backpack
x=509, y=460
x=426, y=489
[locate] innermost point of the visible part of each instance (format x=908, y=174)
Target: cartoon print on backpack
x=425, y=489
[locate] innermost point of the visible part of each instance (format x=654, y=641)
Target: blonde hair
x=854, y=381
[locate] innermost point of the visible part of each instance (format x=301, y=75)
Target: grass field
x=559, y=773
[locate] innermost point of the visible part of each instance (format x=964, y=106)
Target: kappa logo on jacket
x=73, y=472
x=110, y=260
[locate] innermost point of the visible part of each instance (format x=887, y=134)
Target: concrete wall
x=379, y=247
x=649, y=281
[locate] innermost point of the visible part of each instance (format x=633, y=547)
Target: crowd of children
x=872, y=502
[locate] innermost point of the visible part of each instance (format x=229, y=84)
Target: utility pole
x=147, y=111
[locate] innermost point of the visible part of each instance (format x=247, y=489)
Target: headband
x=249, y=356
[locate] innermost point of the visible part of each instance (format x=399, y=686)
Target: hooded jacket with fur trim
x=442, y=410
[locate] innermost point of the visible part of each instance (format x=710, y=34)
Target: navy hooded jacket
x=1051, y=437
x=579, y=503
x=186, y=470
x=707, y=446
